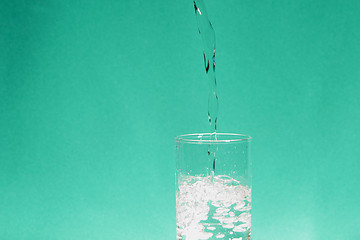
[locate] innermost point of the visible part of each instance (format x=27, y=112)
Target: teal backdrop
x=92, y=94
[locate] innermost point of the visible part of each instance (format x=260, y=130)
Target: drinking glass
x=213, y=186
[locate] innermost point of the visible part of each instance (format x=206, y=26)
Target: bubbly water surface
x=213, y=207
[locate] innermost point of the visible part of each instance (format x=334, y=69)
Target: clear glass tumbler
x=213, y=186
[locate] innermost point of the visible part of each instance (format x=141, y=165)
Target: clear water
x=215, y=207
x=207, y=34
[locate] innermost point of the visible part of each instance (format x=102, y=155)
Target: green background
x=92, y=94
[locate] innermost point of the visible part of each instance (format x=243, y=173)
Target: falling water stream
x=207, y=34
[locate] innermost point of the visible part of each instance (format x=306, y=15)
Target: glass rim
x=197, y=138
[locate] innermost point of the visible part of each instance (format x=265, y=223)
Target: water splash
x=213, y=208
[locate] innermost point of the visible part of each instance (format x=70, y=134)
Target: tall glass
x=213, y=186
